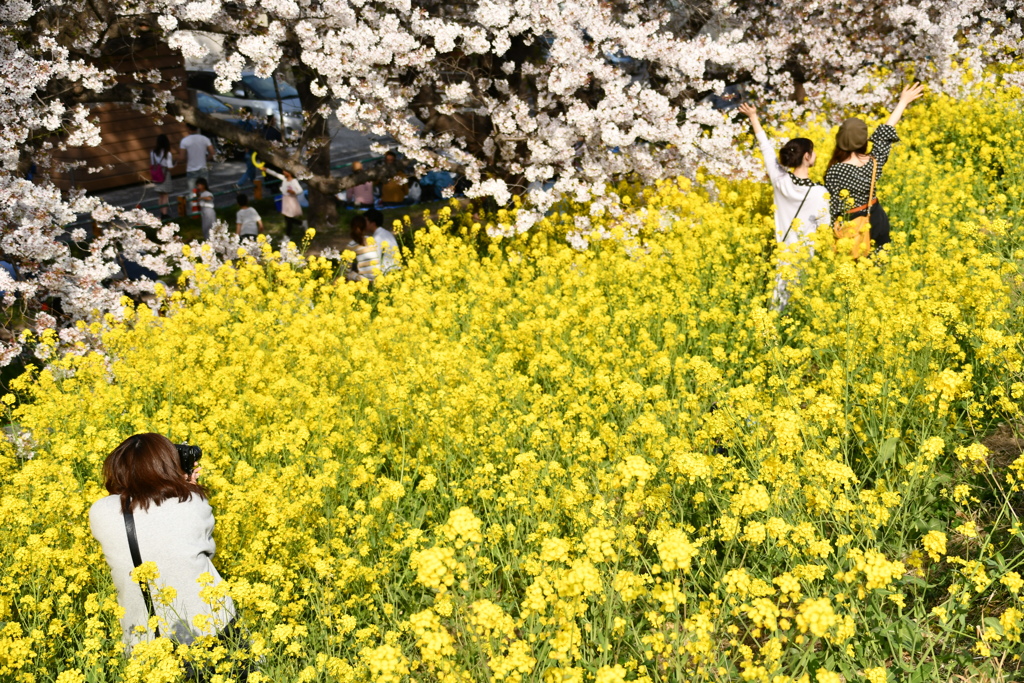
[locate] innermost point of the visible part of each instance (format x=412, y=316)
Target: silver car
x=259, y=95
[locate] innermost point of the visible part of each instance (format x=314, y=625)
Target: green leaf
x=916, y=581
x=888, y=449
x=994, y=624
x=923, y=673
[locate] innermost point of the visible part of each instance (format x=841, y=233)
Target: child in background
x=291, y=190
x=247, y=221
x=206, y=207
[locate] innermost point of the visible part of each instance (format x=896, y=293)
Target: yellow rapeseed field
x=514, y=461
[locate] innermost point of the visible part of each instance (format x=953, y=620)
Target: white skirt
x=167, y=186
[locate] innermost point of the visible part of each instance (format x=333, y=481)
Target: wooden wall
x=128, y=134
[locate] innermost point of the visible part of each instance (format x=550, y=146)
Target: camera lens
x=188, y=456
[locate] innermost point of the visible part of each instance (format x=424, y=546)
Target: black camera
x=189, y=456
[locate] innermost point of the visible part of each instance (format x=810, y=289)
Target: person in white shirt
x=291, y=209
x=247, y=221
x=198, y=149
x=800, y=203
x=165, y=510
x=384, y=239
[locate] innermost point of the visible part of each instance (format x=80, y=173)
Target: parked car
x=208, y=104
x=259, y=95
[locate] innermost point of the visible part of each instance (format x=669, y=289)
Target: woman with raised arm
x=796, y=195
x=800, y=204
x=852, y=172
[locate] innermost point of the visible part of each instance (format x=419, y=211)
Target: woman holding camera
x=157, y=505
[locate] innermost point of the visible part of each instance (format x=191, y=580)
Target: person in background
x=291, y=190
x=173, y=524
x=270, y=130
x=850, y=171
x=360, y=196
x=384, y=239
x=160, y=163
x=247, y=221
x=249, y=125
x=367, y=262
x=198, y=150
x=134, y=271
x=396, y=187
x=800, y=204
x=207, y=210
x=435, y=183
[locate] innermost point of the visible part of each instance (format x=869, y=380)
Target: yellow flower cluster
x=516, y=461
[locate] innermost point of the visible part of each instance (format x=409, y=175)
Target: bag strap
x=874, y=174
x=133, y=548
x=793, y=222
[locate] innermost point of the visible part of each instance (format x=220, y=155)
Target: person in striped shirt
x=366, y=265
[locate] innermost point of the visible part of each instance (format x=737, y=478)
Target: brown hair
x=358, y=222
x=145, y=469
x=841, y=155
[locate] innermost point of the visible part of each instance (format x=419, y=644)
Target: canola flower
x=517, y=461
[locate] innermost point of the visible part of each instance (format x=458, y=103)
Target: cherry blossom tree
x=545, y=98
x=575, y=94
x=54, y=277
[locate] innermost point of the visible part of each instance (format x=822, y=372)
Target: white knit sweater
x=178, y=537
x=788, y=199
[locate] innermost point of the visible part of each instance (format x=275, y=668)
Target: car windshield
x=211, y=105
x=264, y=88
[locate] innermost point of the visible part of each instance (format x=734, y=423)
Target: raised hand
x=911, y=93
x=748, y=110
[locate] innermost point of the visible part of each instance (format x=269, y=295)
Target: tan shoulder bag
x=854, y=236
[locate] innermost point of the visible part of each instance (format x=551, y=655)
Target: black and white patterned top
x=802, y=182
x=857, y=179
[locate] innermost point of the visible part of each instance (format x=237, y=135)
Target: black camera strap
x=133, y=547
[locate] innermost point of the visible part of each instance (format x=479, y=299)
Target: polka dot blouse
x=857, y=179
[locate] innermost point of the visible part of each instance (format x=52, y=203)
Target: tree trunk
x=796, y=70
x=316, y=141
